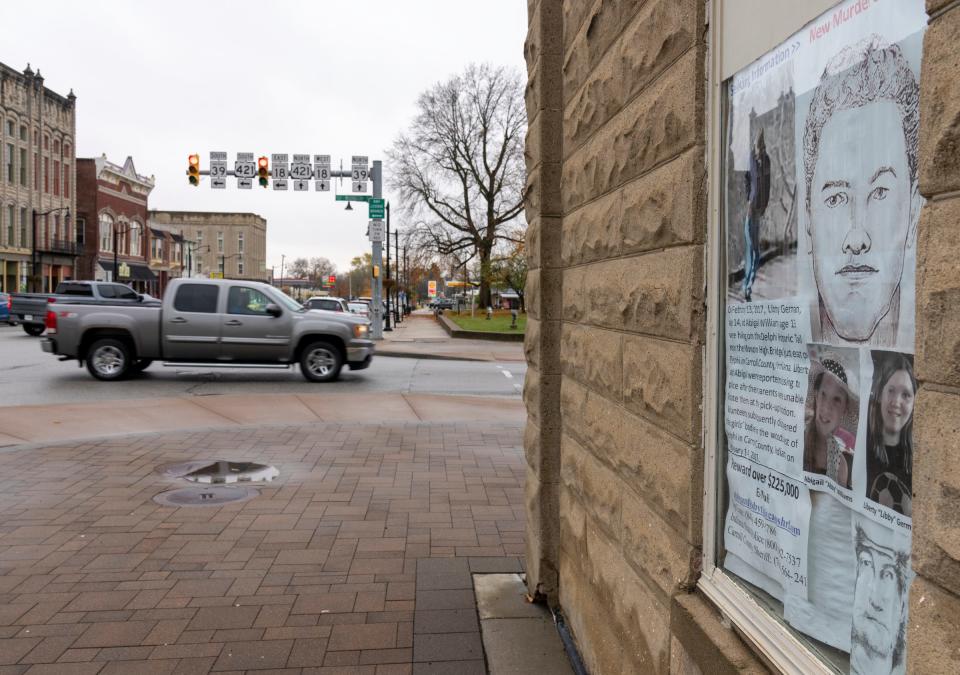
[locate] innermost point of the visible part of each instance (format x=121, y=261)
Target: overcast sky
x=160, y=80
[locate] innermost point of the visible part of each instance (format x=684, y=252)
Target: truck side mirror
x=274, y=310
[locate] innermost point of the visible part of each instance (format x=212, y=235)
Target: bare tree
x=511, y=270
x=300, y=268
x=320, y=269
x=460, y=168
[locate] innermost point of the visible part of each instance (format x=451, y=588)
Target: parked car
x=357, y=307
x=328, y=303
x=5, y=309
x=443, y=303
x=31, y=308
x=202, y=321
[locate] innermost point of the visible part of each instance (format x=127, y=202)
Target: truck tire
x=34, y=329
x=108, y=359
x=321, y=361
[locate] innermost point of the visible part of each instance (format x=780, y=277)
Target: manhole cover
x=219, y=471
x=205, y=496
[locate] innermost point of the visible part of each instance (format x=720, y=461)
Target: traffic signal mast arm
x=231, y=172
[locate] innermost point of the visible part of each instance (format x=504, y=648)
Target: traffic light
x=263, y=171
x=193, y=172
x=376, y=271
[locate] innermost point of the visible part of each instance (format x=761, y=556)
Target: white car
x=360, y=308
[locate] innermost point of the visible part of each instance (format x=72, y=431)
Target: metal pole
x=406, y=280
x=33, y=262
x=396, y=287
x=377, y=310
x=114, y=275
x=386, y=323
x=283, y=259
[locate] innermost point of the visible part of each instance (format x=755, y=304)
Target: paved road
x=28, y=376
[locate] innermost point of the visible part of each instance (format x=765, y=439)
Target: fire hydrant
x=489, y=313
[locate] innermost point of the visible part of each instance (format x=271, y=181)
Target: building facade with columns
x=38, y=244
x=112, y=203
x=232, y=245
x=743, y=343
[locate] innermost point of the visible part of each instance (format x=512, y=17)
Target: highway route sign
x=360, y=172
x=218, y=170
x=359, y=186
x=244, y=168
x=280, y=170
x=321, y=172
x=301, y=185
x=300, y=169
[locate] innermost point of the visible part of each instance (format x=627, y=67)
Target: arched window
x=106, y=232
x=122, y=232
x=135, y=230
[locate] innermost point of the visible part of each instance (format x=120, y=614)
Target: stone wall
x=617, y=216
x=934, y=640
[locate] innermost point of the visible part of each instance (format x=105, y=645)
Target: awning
x=138, y=271
x=159, y=234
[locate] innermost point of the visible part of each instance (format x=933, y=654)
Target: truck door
x=249, y=333
x=191, y=326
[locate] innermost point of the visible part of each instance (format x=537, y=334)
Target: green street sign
x=376, y=209
x=353, y=198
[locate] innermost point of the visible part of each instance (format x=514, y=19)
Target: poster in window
x=820, y=212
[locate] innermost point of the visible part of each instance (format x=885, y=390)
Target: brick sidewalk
x=356, y=560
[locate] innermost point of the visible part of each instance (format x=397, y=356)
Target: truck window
x=122, y=292
x=83, y=290
x=196, y=298
x=106, y=291
x=244, y=300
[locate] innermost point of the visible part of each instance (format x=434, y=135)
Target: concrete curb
x=454, y=331
x=400, y=354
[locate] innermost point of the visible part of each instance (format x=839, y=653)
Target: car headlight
x=360, y=330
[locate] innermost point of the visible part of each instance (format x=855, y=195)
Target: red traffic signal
x=193, y=169
x=263, y=171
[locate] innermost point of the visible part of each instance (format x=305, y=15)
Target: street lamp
x=34, y=278
x=223, y=262
x=386, y=323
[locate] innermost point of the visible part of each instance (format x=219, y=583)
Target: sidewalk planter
x=455, y=331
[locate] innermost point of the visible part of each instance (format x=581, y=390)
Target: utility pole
x=397, y=314
x=283, y=259
x=386, y=323
x=377, y=320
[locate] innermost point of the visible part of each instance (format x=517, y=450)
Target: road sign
x=360, y=171
x=376, y=208
x=301, y=185
x=377, y=231
x=216, y=275
x=300, y=169
x=321, y=172
x=218, y=170
x=353, y=198
x=432, y=289
x=280, y=170
x=244, y=168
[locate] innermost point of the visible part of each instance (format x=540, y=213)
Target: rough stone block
x=599, y=99
x=532, y=242
x=592, y=232
x=594, y=357
x=938, y=293
x=664, y=469
x=661, y=32
x=940, y=106
x=592, y=420
x=573, y=527
x=662, y=381
x=661, y=123
x=637, y=612
x=531, y=394
x=531, y=446
x=708, y=646
x=574, y=14
x=598, y=487
x=531, y=343
x=574, y=303
x=543, y=533
x=933, y=641
x=652, y=545
x=936, y=487
x=531, y=295
x=666, y=206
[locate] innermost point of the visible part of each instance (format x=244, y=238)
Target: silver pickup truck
x=207, y=322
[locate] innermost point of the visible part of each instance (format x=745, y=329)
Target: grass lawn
x=500, y=323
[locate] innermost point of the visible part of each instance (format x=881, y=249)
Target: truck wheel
x=140, y=365
x=108, y=359
x=321, y=362
x=33, y=329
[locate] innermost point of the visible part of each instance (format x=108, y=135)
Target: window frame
x=761, y=629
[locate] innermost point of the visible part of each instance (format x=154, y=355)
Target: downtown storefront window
x=817, y=212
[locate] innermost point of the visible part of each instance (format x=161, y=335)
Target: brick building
x=231, y=244
x=112, y=212
x=653, y=126
x=37, y=142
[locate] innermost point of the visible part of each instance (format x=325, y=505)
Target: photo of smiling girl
x=890, y=432
x=832, y=414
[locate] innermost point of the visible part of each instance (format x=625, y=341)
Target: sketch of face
x=831, y=405
x=896, y=403
x=860, y=216
x=878, y=604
